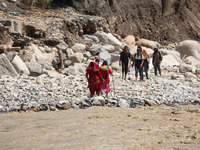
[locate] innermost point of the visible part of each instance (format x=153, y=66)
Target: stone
x=115, y=58
x=108, y=38
x=4, y=5
x=190, y=75
x=1, y=109
x=76, y=58
x=87, y=54
x=187, y=68
x=173, y=53
x=20, y=66
x=51, y=41
x=95, y=49
x=78, y=48
x=189, y=48
x=35, y=68
x=150, y=103
x=109, y=48
x=105, y=56
x=62, y=46
x=69, y=52
x=147, y=43
x=115, y=66
x=190, y=60
x=67, y=63
x=169, y=61
x=123, y=103
x=6, y=67
x=90, y=38
x=78, y=68
x=11, y=55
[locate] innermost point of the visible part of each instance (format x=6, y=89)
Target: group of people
x=98, y=75
x=140, y=61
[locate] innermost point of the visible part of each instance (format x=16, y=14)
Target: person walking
x=94, y=76
x=97, y=60
x=105, y=71
x=138, y=60
x=124, y=61
x=157, y=59
x=146, y=61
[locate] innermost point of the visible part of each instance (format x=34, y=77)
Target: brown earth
x=103, y=128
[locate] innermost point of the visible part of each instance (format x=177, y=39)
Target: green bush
x=166, y=5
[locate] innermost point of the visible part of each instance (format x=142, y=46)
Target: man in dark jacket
x=124, y=60
x=157, y=59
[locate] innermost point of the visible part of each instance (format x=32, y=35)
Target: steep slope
x=144, y=18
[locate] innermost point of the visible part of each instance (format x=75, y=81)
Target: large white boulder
x=173, y=53
x=189, y=48
x=108, y=38
x=6, y=68
x=187, y=68
x=20, y=66
x=76, y=58
x=115, y=57
x=78, y=48
x=169, y=61
x=192, y=61
x=115, y=66
x=147, y=43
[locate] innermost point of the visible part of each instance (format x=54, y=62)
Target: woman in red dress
x=105, y=71
x=94, y=76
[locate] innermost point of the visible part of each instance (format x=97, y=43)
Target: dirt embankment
x=144, y=18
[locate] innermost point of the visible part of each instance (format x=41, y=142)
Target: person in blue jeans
x=146, y=61
x=138, y=60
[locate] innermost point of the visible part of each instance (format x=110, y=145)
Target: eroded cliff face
x=144, y=18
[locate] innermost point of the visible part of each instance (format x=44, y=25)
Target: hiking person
x=138, y=60
x=124, y=60
x=105, y=71
x=146, y=61
x=157, y=59
x=97, y=60
x=94, y=76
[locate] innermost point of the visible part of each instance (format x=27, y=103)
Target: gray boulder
x=62, y=46
x=95, y=49
x=6, y=67
x=35, y=68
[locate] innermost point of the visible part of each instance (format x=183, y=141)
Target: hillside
x=145, y=18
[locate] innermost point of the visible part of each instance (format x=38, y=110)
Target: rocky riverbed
x=57, y=91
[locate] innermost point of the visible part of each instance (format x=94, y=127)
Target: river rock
x=173, y=53
x=76, y=58
x=109, y=48
x=35, y=68
x=190, y=60
x=108, y=38
x=187, y=68
x=95, y=49
x=62, y=46
x=189, y=48
x=190, y=75
x=91, y=38
x=20, y=66
x=78, y=48
x=169, y=61
x=6, y=67
x=147, y=43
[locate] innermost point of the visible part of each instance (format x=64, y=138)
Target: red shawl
x=94, y=74
x=105, y=73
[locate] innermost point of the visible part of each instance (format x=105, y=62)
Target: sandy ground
x=101, y=128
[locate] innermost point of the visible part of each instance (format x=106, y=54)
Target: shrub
x=36, y=3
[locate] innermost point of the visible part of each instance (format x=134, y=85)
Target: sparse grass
x=36, y=3
x=166, y=5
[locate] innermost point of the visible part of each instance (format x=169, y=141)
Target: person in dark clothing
x=157, y=59
x=124, y=60
x=138, y=60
